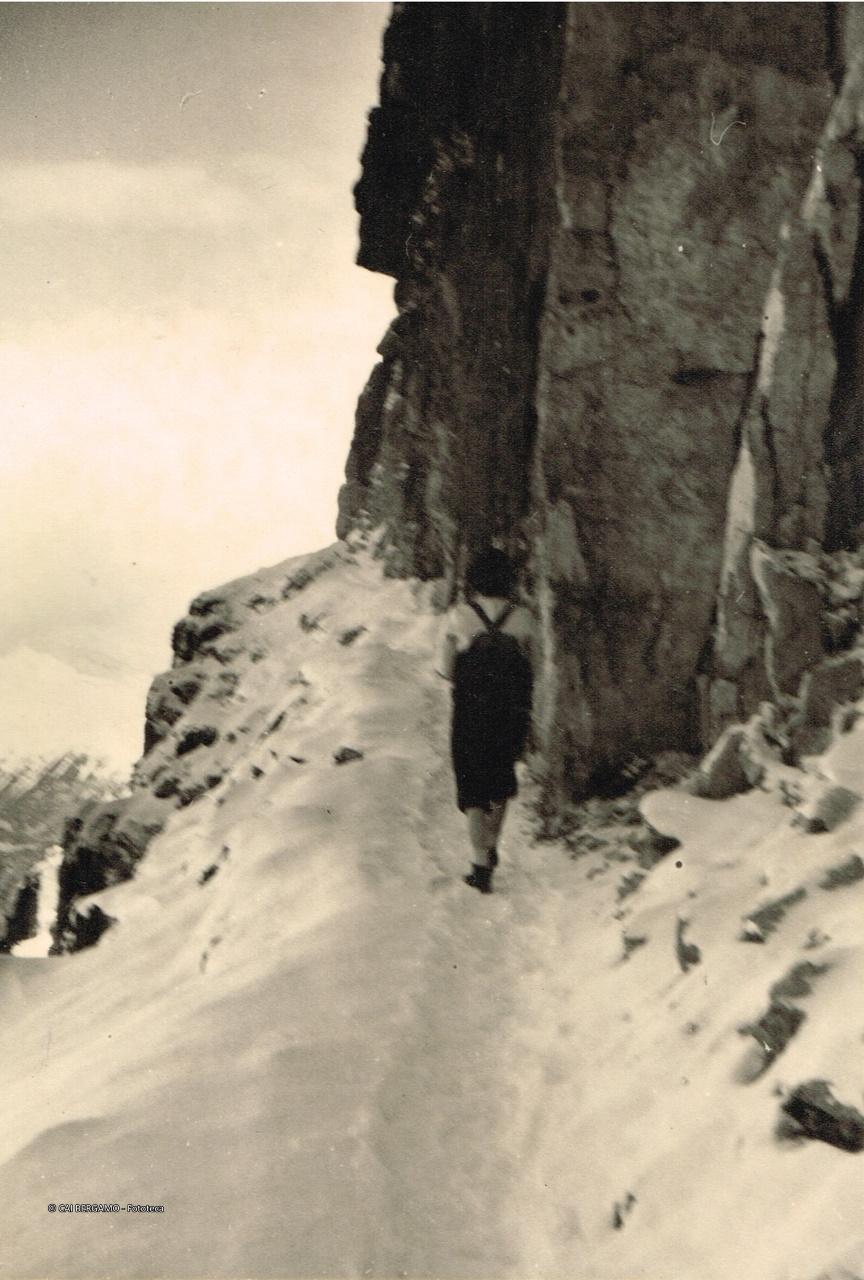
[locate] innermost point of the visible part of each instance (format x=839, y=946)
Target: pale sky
x=183, y=334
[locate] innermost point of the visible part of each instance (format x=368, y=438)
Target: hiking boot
x=479, y=878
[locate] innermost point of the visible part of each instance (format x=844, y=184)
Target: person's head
x=491, y=573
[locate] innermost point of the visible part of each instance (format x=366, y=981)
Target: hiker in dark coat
x=487, y=652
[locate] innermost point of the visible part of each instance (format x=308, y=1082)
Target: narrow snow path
x=458, y=1109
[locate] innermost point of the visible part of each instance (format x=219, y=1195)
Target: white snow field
x=333, y=1059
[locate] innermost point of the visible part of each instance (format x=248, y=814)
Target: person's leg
x=484, y=828
x=483, y=832
x=482, y=847
x=494, y=823
x=495, y=819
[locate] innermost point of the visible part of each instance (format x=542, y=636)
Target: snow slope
x=325, y=1056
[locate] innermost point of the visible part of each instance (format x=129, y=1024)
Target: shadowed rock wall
x=456, y=202
x=623, y=238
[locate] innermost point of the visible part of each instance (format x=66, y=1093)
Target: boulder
x=818, y=1114
x=831, y=806
x=687, y=953
x=844, y=874
x=721, y=774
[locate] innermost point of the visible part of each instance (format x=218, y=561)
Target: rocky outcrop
x=814, y=681
x=625, y=241
x=186, y=756
x=102, y=846
x=847, y=873
x=814, y=1112
x=104, y=843
x=723, y=773
x=21, y=913
x=781, y=1021
x=37, y=800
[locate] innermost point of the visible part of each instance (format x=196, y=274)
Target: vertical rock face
x=683, y=136
x=624, y=239
x=453, y=202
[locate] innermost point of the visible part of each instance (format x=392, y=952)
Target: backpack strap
x=487, y=621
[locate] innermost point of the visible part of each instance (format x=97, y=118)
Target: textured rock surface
x=456, y=180
x=792, y=606
x=624, y=238
x=827, y=809
x=102, y=847
x=818, y=1114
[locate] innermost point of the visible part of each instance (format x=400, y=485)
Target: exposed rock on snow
x=86, y=924
x=198, y=737
x=827, y=809
x=687, y=952
x=721, y=773
x=167, y=700
x=848, y=873
x=622, y=1209
x=818, y=1114
x=782, y=1020
x=766, y=918
x=772, y=1033
x=102, y=847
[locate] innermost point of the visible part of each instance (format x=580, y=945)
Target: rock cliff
x=626, y=251
x=219, y=649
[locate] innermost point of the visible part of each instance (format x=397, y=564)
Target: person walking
x=488, y=651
